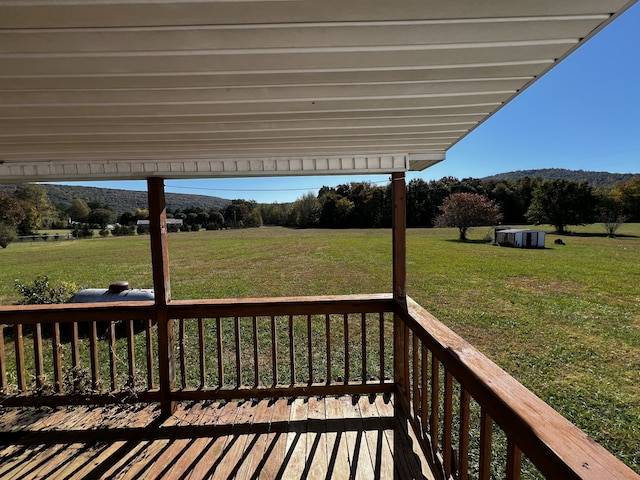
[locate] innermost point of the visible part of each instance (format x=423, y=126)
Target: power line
x=254, y=189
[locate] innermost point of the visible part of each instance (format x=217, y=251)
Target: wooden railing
x=107, y=353
x=78, y=354
x=474, y=420
x=471, y=419
x=283, y=347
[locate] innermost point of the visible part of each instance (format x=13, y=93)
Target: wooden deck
x=315, y=438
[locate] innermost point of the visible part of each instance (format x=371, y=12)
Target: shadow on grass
x=593, y=234
x=457, y=240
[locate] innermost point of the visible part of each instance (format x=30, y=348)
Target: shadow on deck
x=316, y=438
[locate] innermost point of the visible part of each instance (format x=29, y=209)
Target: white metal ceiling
x=127, y=89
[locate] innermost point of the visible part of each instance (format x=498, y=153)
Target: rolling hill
x=595, y=179
x=121, y=201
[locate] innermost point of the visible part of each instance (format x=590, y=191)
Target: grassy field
x=565, y=320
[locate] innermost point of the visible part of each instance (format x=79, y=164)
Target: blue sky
x=583, y=114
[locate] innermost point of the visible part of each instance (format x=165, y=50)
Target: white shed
x=520, y=237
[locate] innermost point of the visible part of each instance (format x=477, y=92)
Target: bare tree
x=611, y=221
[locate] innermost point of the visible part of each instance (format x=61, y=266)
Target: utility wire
x=254, y=189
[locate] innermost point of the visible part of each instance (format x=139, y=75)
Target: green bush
x=123, y=230
x=43, y=292
x=82, y=231
x=8, y=234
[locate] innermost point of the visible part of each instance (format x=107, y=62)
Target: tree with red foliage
x=466, y=210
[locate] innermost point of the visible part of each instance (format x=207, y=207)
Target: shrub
x=8, y=234
x=82, y=231
x=43, y=292
x=122, y=230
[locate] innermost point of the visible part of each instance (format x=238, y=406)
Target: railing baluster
x=19, y=348
x=424, y=409
x=131, y=354
x=112, y=356
x=327, y=320
x=274, y=351
x=183, y=353
x=37, y=353
x=448, y=423
x=236, y=330
x=57, y=358
x=405, y=362
x=202, y=357
x=514, y=460
x=219, y=342
x=347, y=360
x=149, y=344
x=465, y=413
x=3, y=362
x=486, y=426
x=93, y=355
x=435, y=402
x=382, y=349
x=363, y=331
x=310, y=349
x=75, y=356
x=255, y=352
x=414, y=382
x=292, y=353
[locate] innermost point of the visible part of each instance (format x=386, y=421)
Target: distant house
x=170, y=221
x=520, y=237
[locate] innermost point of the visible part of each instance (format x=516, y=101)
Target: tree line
x=119, y=200
x=526, y=200
x=523, y=201
x=28, y=210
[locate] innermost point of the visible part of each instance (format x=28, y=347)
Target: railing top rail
x=380, y=302
x=140, y=310
x=557, y=447
x=70, y=312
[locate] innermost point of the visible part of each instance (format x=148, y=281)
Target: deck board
x=314, y=438
x=269, y=466
x=316, y=466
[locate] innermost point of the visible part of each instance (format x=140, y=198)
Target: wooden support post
x=399, y=226
x=401, y=333
x=162, y=291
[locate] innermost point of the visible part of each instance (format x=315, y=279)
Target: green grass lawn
x=564, y=320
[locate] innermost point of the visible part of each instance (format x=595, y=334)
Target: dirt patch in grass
x=544, y=285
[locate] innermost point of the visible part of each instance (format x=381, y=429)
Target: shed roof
x=128, y=89
x=516, y=230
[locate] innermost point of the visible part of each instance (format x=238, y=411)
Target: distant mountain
x=121, y=200
x=595, y=179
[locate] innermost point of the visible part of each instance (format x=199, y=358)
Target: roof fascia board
x=11, y=172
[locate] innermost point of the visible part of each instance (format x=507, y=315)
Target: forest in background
x=595, y=179
x=27, y=209
x=119, y=200
x=528, y=200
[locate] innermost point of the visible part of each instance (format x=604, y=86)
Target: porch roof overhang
x=131, y=89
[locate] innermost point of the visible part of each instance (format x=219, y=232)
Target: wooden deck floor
x=344, y=437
